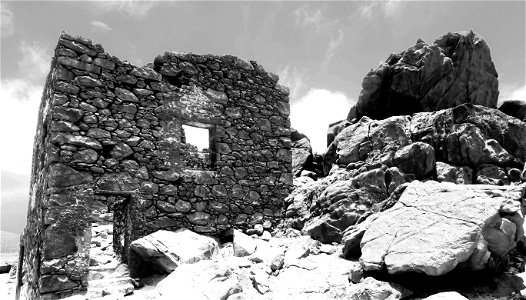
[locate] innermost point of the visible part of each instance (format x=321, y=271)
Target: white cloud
x=334, y=43
x=36, y=61
x=512, y=93
x=388, y=8
x=132, y=8
x=313, y=113
x=7, y=23
x=305, y=16
x=100, y=26
x=292, y=78
x=20, y=100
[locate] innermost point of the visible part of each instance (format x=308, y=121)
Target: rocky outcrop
x=514, y=108
x=456, y=69
x=483, y=223
x=371, y=288
x=466, y=135
x=369, y=159
x=203, y=280
x=164, y=251
x=302, y=158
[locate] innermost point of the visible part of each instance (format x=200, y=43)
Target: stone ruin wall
x=110, y=139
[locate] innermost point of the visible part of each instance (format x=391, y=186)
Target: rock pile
x=423, y=153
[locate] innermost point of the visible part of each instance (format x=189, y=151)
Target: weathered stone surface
x=67, y=114
x=449, y=173
x=409, y=236
x=446, y=296
x=467, y=146
x=514, y=108
x=125, y=95
x=318, y=276
x=63, y=176
x=60, y=242
x=76, y=140
x=166, y=175
x=122, y=181
x=417, y=158
x=369, y=140
x=243, y=244
x=146, y=73
x=371, y=288
x=202, y=280
x=98, y=133
x=321, y=230
x=199, y=218
x=51, y=283
x=302, y=157
x=167, y=250
x=85, y=156
x=491, y=174
x=88, y=81
x=456, y=69
x=121, y=151
x=509, y=132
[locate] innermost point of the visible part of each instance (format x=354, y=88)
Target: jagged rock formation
x=111, y=146
x=302, y=157
x=304, y=161
x=426, y=114
x=455, y=69
x=514, y=108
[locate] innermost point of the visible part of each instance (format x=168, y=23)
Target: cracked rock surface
x=436, y=227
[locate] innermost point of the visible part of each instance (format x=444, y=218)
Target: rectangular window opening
x=199, y=139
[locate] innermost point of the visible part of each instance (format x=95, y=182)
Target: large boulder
x=449, y=173
x=417, y=158
x=373, y=289
x=514, y=108
x=482, y=223
x=370, y=141
x=302, y=158
x=456, y=69
x=164, y=251
x=243, y=244
x=202, y=280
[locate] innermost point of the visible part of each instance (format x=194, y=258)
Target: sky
x=320, y=50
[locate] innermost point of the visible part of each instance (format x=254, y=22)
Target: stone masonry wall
x=110, y=137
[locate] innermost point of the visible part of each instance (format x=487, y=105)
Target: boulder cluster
x=425, y=176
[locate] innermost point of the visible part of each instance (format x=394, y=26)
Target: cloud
x=313, y=113
x=132, y=8
x=305, y=16
x=370, y=9
x=292, y=78
x=20, y=98
x=100, y=26
x=18, y=119
x=7, y=24
x=334, y=43
x=512, y=93
x=35, y=57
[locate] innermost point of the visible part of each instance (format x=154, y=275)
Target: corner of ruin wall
x=110, y=138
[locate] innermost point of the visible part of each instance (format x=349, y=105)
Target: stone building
x=110, y=144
